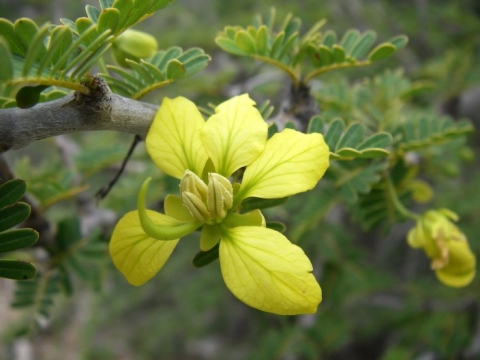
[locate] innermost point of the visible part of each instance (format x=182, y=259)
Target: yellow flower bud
x=442, y=241
x=422, y=192
x=133, y=45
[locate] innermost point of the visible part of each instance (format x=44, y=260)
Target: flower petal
x=292, y=162
x=138, y=256
x=460, y=270
x=173, y=141
x=266, y=271
x=235, y=135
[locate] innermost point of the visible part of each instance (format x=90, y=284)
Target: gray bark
x=102, y=110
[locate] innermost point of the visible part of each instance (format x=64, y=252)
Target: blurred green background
x=381, y=300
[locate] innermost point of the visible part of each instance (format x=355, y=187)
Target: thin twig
x=103, y=192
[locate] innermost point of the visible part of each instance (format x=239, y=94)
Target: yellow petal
x=292, y=162
x=138, y=256
x=456, y=280
x=235, y=135
x=173, y=141
x=416, y=236
x=266, y=271
x=460, y=270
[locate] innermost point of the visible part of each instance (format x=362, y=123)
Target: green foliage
x=425, y=130
x=36, y=296
x=375, y=290
x=287, y=50
x=161, y=69
x=62, y=55
x=12, y=213
x=378, y=102
x=74, y=254
x=350, y=143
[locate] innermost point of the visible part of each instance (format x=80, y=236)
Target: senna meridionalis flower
x=442, y=241
x=259, y=265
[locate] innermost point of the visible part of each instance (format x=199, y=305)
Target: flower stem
x=396, y=201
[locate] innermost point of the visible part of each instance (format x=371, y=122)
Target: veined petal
x=251, y=218
x=138, y=256
x=460, y=269
x=266, y=271
x=292, y=162
x=235, y=135
x=173, y=141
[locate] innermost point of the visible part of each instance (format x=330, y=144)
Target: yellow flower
x=442, y=241
x=259, y=265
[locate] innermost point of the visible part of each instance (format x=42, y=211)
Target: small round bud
x=133, y=45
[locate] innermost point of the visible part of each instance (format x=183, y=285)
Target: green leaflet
x=355, y=178
x=381, y=51
x=6, y=62
x=11, y=192
x=17, y=239
x=423, y=131
x=351, y=142
x=17, y=270
x=13, y=213
x=61, y=55
x=164, y=67
x=364, y=44
x=283, y=48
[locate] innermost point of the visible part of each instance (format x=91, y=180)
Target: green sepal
x=13, y=215
x=17, y=239
x=209, y=237
x=17, y=270
x=204, y=258
x=258, y=203
x=11, y=192
x=272, y=130
x=277, y=226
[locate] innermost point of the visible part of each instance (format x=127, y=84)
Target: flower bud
x=442, y=241
x=133, y=45
x=220, y=195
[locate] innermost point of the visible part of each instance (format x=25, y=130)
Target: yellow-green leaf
x=173, y=140
x=292, y=162
x=6, y=62
x=381, y=51
x=235, y=135
x=138, y=256
x=245, y=42
x=266, y=271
